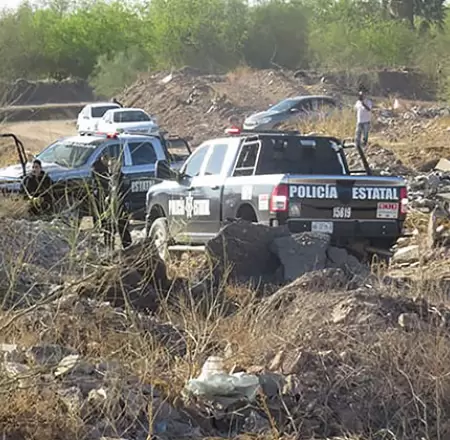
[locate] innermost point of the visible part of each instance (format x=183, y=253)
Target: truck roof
x=83, y=139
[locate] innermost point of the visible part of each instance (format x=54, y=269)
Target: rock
x=301, y=253
x=73, y=364
x=340, y=258
x=18, y=373
x=132, y=277
x=272, y=384
x=241, y=251
x=121, y=287
x=410, y=321
x=323, y=280
x=255, y=423
x=48, y=354
x=407, y=254
x=277, y=361
x=12, y=353
x=72, y=399
x=296, y=361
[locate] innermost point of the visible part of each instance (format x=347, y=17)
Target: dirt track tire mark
x=37, y=135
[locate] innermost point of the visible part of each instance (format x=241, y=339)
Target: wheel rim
x=160, y=242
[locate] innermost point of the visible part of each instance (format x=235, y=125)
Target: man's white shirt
x=362, y=114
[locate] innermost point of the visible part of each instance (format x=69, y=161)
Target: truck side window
x=195, y=162
x=246, y=162
x=215, y=162
x=113, y=150
x=142, y=153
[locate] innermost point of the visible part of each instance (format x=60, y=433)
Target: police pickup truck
x=68, y=162
x=277, y=178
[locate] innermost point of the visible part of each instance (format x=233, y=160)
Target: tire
x=159, y=235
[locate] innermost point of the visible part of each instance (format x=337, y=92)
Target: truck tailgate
x=346, y=197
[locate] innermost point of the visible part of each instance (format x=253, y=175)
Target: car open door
x=177, y=150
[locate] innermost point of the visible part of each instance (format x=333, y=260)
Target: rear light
x=403, y=200
x=233, y=130
x=279, y=199
x=108, y=135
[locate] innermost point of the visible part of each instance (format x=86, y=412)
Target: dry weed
x=239, y=73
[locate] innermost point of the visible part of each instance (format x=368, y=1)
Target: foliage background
x=110, y=42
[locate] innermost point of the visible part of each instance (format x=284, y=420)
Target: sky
x=15, y=3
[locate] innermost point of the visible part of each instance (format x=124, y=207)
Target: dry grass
x=239, y=73
x=393, y=380
x=366, y=379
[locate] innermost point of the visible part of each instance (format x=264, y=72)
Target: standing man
x=114, y=100
x=363, y=109
x=117, y=216
x=100, y=188
x=37, y=187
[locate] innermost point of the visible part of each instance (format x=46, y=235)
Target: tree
x=204, y=33
x=431, y=11
x=277, y=35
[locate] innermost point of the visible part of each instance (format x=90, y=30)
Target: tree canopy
x=109, y=41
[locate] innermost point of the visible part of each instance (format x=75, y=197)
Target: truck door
x=184, y=205
x=139, y=171
x=208, y=190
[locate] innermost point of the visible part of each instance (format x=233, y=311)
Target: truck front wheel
x=159, y=235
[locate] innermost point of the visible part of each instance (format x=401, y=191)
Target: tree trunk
x=403, y=10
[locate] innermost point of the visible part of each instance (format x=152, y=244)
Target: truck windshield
x=296, y=155
x=70, y=154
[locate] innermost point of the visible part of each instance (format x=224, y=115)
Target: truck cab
x=68, y=162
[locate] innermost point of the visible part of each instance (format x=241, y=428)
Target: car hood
x=14, y=172
x=258, y=116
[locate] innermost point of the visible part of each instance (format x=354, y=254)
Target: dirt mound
x=331, y=348
x=23, y=92
x=198, y=106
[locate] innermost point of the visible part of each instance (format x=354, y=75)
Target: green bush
x=112, y=74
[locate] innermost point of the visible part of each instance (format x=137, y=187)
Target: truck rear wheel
x=247, y=213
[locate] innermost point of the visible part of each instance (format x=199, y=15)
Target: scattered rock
x=301, y=253
x=410, y=321
x=47, y=354
x=406, y=255
x=241, y=251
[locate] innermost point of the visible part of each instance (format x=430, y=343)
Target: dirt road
x=38, y=134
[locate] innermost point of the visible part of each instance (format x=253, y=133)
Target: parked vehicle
x=281, y=178
x=68, y=162
x=131, y=120
x=290, y=110
x=91, y=114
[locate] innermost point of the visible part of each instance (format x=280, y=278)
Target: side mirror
x=294, y=110
x=164, y=172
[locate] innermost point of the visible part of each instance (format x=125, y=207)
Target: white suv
x=91, y=114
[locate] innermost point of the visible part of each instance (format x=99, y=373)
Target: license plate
x=342, y=212
x=387, y=210
x=324, y=227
